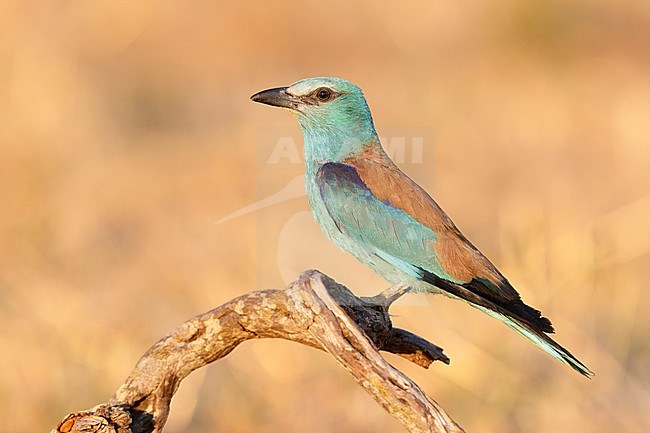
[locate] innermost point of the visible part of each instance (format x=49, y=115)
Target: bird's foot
x=390, y=295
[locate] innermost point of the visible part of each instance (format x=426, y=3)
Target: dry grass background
x=126, y=132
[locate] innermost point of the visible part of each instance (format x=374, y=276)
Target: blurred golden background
x=127, y=134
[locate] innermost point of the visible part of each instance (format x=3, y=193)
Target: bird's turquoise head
x=333, y=113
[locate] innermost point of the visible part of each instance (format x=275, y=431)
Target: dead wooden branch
x=315, y=311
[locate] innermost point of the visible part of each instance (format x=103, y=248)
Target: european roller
x=368, y=207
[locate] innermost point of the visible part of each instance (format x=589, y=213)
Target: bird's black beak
x=278, y=97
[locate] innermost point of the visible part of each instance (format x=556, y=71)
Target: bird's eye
x=324, y=94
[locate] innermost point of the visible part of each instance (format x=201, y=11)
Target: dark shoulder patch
x=338, y=172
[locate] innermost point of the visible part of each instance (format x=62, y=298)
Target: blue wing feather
x=376, y=225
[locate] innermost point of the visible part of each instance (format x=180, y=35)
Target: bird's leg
x=398, y=341
x=390, y=295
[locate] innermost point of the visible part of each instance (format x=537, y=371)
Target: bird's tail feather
x=537, y=336
x=540, y=340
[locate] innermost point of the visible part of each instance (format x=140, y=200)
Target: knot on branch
x=103, y=418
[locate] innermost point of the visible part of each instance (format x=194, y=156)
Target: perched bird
x=368, y=207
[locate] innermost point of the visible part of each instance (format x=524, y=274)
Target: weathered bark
x=315, y=311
